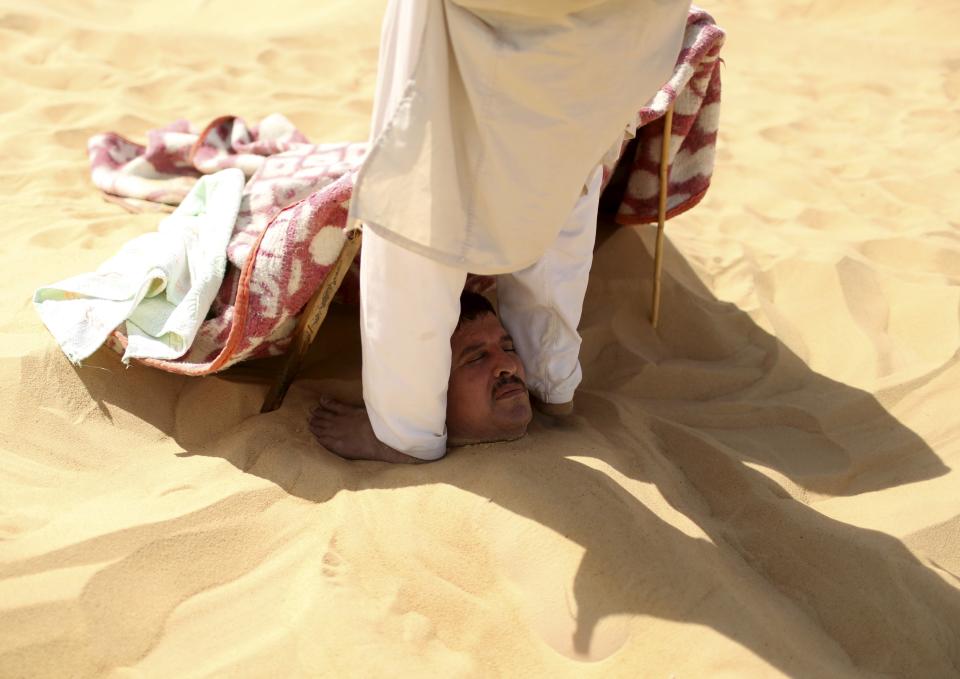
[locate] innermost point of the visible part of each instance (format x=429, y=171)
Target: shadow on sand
x=694, y=410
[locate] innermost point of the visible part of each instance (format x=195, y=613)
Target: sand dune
x=766, y=486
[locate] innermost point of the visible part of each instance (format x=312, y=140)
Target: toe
x=334, y=406
x=319, y=428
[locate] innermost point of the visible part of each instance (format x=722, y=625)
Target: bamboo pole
x=309, y=323
x=661, y=214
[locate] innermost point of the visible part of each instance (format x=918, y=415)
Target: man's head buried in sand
x=487, y=397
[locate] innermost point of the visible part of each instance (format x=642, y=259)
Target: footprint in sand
x=785, y=133
x=53, y=237
x=73, y=138
x=951, y=78
x=359, y=104
x=332, y=564
x=408, y=626
x=268, y=57
x=65, y=113
x=20, y=23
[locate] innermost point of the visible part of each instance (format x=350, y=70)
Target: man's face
x=487, y=396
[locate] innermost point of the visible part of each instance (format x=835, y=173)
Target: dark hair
x=473, y=305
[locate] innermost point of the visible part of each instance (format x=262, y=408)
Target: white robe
x=488, y=129
x=504, y=107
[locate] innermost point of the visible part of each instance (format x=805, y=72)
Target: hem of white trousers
x=556, y=397
x=425, y=452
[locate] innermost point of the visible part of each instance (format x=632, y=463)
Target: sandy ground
x=765, y=487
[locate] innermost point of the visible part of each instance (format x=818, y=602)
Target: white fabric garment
x=409, y=306
x=540, y=305
x=489, y=114
x=489, y=123
x=161, y=284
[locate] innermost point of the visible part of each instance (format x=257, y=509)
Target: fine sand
x=767, y=486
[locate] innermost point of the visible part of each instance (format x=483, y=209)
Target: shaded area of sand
x=766, y=486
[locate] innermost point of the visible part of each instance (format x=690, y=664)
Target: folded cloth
x=160, y=284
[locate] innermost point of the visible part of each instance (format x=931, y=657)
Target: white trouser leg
x=541, y=305
x=409, y=306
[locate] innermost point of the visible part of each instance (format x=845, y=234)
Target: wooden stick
x=309, y=323
x=661, y=214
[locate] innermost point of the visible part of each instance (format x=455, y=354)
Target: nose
x=507, y=364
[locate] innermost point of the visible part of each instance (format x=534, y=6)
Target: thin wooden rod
x=661, y=214
x=309, y=323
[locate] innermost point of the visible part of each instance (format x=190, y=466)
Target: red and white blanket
x=290, y=228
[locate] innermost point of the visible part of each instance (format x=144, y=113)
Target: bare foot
x=345, y=431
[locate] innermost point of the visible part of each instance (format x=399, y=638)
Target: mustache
x=504, y=381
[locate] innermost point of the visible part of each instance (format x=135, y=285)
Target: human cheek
x=474, y=378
